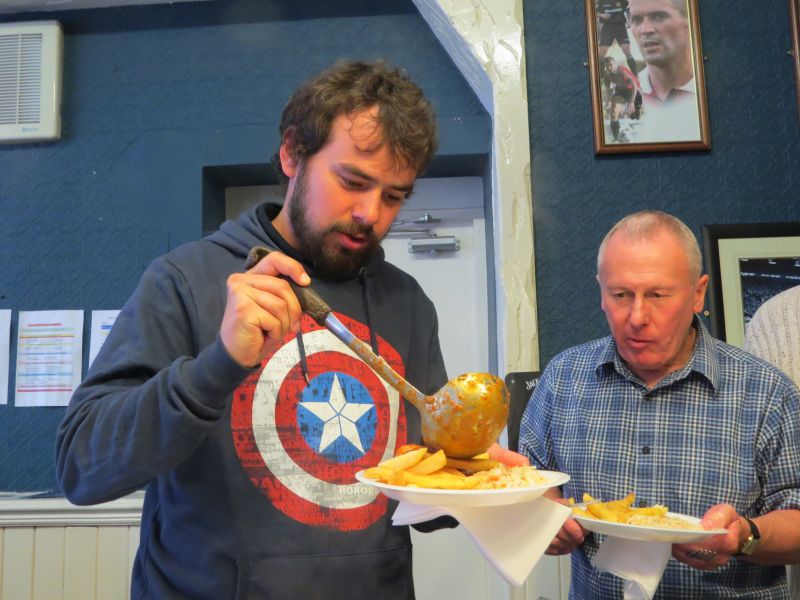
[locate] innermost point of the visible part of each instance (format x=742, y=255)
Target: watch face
x=750, y=545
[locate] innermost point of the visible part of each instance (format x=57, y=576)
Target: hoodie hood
x=238, y=236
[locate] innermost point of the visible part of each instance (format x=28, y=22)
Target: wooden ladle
x=463, y=418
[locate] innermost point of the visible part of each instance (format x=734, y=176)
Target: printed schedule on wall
x=49, y=350
x=102, y=322
x=5, y=342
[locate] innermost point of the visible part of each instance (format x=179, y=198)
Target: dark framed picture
x=747, y=264
x=646, y=70
x=794, y=17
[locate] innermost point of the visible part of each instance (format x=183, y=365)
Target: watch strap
x=751, y=543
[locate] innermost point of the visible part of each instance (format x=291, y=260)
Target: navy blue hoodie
x=249, y=473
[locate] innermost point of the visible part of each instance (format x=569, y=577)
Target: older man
x=669, y=94
x=662, y=409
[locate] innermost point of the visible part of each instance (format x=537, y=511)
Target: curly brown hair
x=405, y=117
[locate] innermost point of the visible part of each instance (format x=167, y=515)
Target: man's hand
x=570, y=536
x=715, y=551
x=506, y=456
x=261, y=308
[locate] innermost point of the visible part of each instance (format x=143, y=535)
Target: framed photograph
x=794, y=17
x=646, y=70
x=747, y=263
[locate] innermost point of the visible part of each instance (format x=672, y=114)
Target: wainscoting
x=52, y=550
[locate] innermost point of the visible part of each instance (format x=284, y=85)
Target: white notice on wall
x=102, y=321
x=5, y=344
x=49, y=348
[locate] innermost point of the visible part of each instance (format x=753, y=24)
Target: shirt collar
x=647, y=88
x=703, y=360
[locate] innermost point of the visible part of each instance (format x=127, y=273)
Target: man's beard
x=321, y=248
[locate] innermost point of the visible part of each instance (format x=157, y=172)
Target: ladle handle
x=316, y=308
x=311, y=302
x=376, y=363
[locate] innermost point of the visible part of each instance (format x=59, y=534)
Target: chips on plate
x=623, y=511
x=418, y=466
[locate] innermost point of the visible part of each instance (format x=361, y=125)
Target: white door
x=446, y=563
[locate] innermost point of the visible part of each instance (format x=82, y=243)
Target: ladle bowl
x=467, y=415
x=463, y=418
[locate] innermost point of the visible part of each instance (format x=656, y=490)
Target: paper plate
x=436, y=497
x=647, y=533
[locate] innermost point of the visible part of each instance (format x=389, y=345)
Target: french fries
x=404, y=461
x=417, y=466
x=616, y=511
x=430, y=464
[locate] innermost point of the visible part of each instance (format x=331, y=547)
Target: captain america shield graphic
x=302, y=443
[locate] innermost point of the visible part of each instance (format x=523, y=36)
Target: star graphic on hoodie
x=339, y=417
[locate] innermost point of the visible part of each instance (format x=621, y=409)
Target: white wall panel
x=18, y=564
x=2, y=541
x=48, y=563
x=80, y=563
x=133, y=545
x=53, y=550
x=112, y=563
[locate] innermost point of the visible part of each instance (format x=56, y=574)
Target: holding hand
x=716, y=551
x=570, y=536
x=261, y=308
x=506, y=456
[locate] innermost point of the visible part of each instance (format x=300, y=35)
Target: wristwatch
x=752, y=542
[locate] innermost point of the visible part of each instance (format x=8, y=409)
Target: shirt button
x=646, y=450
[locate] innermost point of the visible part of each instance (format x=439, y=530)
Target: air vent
x=30, y=81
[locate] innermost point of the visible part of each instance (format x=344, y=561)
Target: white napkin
x=512, y=537
x=640, y=564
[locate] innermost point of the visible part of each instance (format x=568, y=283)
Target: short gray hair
x=645, y=224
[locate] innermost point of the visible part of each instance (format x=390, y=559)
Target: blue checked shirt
x=725, y=428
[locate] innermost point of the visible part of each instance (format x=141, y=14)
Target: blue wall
x=751, y=174
x=151, y=96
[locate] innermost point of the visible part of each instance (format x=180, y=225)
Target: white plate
x=435, y=497
x=649, y=534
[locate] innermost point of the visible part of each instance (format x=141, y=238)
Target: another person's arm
x=535, y=444
x=778, y=448
x=779, y=545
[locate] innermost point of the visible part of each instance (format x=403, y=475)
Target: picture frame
x=747, y=263
x=645, y=114
x=794, y=19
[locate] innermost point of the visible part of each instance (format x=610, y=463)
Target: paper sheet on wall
x=49, y=349
x=5, y=345
x=102, y=321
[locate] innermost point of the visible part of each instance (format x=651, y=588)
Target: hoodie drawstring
x=303, y=362
x=373, y=337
